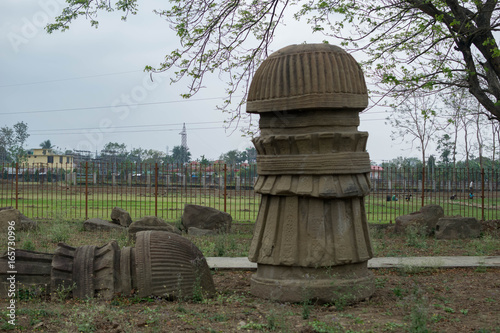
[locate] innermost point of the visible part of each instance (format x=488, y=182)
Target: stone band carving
x=314, y=164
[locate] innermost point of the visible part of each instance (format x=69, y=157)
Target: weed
x=218, y=318
x=28, y=245
x=398, y=292
x=487, y=245
x=220, y=245
x=449, y=310
x=30, y=293
x=481, y=268
x=197, y=290
x=59, y=229
x=322, y=327
x=464, y=311
x=419, y=313
x=436, y=317
x=62, y=292
x=416, y=236
x=272, y=324
x=390, y=326
x=254, y=326
x=380, y=282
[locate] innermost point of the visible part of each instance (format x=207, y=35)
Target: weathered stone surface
x=458, y=228
x=162, y=264
x=22, y=223
x=98, y=224
x=193, y=231
x=426, y=218
x=33, y=272
x=202, y=217
x=150, y=223
x=313, y=175
x=121, y=216
x=169, y=265
x=87, y=271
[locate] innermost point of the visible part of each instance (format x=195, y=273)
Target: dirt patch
x=451, y=300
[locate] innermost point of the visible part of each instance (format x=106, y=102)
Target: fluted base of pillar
x=345, y=283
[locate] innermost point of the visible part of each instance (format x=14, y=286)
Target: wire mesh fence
x=91, y=190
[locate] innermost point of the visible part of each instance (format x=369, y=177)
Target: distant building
x=48, y=157
x=376, y=172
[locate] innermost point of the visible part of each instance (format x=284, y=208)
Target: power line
x=68, y=79
x=137, y=131
x=115, y=106
x=129, y=126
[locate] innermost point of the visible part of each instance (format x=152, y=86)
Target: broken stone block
x=458, y=228
x=121, y=216
x=427, y=218
x=202, y=217
x=99, y=224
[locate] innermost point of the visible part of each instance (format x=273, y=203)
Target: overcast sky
x=65, y=84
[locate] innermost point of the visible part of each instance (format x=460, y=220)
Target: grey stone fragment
x=98, y=224
x=427, y=218
x=150, y=223
x=22, y=223
x=121, y=216
x=202, y=217
x=458, y=228
x=193, y=231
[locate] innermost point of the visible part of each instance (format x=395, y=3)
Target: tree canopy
x=411, y=44
x=12, y=142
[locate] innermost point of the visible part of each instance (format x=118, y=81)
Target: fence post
x=156, y=189
x=225, y=189
x=17, y=184
x=86, y=190
x=482, y=194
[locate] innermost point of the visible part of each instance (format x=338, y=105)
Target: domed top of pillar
x=308, y=76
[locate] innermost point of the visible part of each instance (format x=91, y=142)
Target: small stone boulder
x=150, y=223
x=121, y=216
x=193, y=231
x=427, y=218
x=98, y=224
x=22, y=223
x=202, y=217
x=458, y=228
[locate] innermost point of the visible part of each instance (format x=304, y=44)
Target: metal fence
x=91, y=190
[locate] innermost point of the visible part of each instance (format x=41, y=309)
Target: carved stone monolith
x=311, y=238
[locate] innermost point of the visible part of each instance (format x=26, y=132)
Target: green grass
x=37, y=201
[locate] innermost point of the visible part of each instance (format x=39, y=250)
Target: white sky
x=54, y=82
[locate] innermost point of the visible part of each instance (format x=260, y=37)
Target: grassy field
x=40, y=202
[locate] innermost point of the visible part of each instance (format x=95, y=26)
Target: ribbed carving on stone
x=86, y=270
x=310, y=232
x=170, y=265
x=307, y=77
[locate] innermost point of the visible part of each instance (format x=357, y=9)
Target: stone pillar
x=95, y=178
x=129, y=179
x=113, y=179
x=238, y=183
x=162, y=264
x=311, y=238
x=148, y=180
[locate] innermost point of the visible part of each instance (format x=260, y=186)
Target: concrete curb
x=242, y=263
